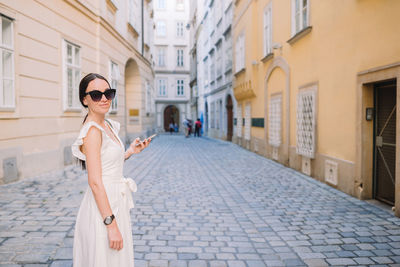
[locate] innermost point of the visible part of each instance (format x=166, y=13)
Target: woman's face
x=104, y=104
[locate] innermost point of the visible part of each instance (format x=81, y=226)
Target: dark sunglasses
x=96, y=95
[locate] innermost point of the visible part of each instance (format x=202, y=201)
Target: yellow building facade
x=47, y=47
x=317, y=84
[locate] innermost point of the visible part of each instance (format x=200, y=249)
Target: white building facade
x=171, y=49
x=216, y=102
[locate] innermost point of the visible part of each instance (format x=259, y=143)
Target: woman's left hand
x=133, y=149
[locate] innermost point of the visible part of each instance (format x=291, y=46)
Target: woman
x=103, y=234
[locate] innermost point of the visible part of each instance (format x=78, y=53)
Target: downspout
x=142, y=27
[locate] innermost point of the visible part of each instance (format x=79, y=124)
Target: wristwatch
x=108, y=220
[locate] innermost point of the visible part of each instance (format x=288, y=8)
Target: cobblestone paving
x=204, y=203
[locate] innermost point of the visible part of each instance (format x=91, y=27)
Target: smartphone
x=151, y=137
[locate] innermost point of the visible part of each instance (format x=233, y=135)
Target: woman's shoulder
x=115, y=124
x=79, y=140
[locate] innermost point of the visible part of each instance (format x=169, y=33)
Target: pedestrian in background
x=186, y=126
x=171, y=127
x=103, y=234
x=197, y=128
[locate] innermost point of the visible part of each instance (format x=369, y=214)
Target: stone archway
x=281, y=64
x=133, y=97
x=171, y=114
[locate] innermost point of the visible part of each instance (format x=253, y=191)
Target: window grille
x=275, y=119
x=306, y=123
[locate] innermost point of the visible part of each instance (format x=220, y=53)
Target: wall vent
x=331, y=172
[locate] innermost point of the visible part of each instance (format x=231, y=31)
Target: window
x=275, y=118
x=114, y=77
x=7, y=92
x=179, y=88
x=180, y=5
x=217, y=114
x=247, y=121
x=72, y=74
x=179, y=57
x=162, y=87
x=205, y=72
x=228, y=52
x=239, y=53
x=212, y=114
x=268, y=29
x=134, y=16
x=161, y=29
x=306, y=122
x=219, y=60
x=179, y=29
x=161, y=4
x=212, y=67
x=161, y=56
x=300, y=15
x=239, y=121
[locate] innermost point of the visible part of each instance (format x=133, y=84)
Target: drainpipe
x=142, y=28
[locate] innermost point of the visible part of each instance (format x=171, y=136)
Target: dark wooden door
x=229, y=112
x=385, y=141
x=171, y=114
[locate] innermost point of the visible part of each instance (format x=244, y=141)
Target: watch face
x=108, y=220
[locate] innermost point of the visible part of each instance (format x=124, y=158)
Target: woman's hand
x=114, y=236
x=134, y=148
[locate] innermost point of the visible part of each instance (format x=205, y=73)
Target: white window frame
x=10, y=50
x=162, y=87
x=247, y=121
x=75, y=104
x=306, y=148
x=161, y=28
x=267, y=30
x=240, y=53
x=179, y=57
x=180, y=5
x=298, y=9
x=114, y=78
x=161, y=4
x=161, y=56
x=180, y=87
x=239, y=120
x=180, y=29
x=275, y=120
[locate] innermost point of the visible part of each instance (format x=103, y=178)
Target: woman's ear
x=85, y=101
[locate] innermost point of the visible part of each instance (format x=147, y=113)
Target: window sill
x=299, y=35
x=7, y=109
x=242, y=70
x=73, y=110
x=267, y=57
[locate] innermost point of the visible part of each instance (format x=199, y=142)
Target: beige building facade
x=47, y=47
x=317, y=84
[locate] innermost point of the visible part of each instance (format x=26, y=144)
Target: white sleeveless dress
x=91, y=246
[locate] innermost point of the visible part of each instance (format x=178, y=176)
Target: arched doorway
x=133, y=97
x=171, y=114
x=229, y=118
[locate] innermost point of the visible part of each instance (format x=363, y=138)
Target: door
x=229, y=119
x=385, y=141
x=171, y=115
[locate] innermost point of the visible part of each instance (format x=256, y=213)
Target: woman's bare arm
x=92, y=149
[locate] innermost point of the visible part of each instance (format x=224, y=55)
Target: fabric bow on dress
x=128, y=186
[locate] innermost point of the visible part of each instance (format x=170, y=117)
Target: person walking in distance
x=103, y=234
x=171, y=127
x=186, y=126
x=197, y=128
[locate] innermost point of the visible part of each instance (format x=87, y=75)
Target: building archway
x=133, y=97
x=171, y=114
x=229, y=118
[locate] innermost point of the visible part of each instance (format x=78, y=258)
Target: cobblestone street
x=204, y=203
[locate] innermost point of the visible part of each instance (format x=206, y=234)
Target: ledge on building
x=267, y=57
x=132, y=30
x=111, y=6
x=228, y=70
x=299, y=35
x=242, y=70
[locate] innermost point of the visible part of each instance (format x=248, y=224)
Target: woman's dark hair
x=82, y=93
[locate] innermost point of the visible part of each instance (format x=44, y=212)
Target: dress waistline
x=128, y=185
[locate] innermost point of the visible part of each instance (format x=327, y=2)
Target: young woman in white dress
x=103, y=234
